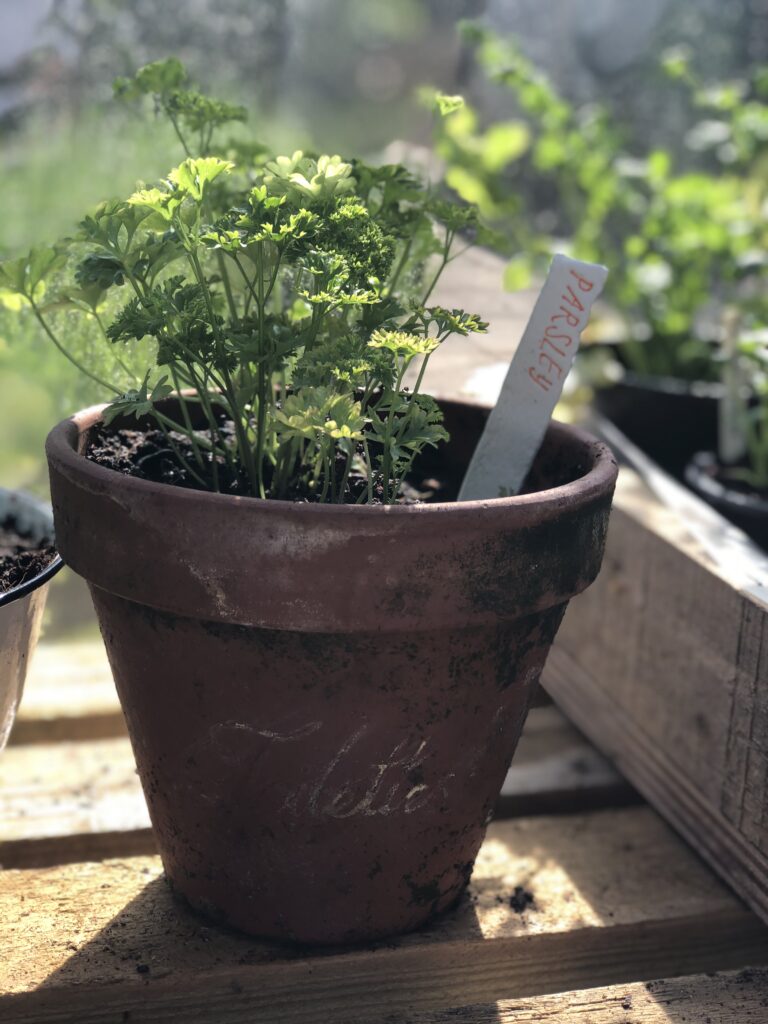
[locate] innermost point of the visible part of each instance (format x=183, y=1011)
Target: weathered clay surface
x=324, y=701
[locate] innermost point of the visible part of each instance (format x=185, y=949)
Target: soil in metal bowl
x=21, y=557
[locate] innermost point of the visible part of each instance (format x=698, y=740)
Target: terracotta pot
x=747, y=510
x=324, y=700
x=21, y=608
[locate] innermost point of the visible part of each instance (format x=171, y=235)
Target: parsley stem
x=185, y=415
x=179, y=136
x=181, y=457
x=227, y=286
x=400, y=266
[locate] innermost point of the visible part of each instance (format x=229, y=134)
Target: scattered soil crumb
x=520, y=899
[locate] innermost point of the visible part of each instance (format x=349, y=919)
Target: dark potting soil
x=21, y=557
x=149, y=455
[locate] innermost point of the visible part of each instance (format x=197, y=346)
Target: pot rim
x=672, y=387
x=62, y=443
x=23, y=589
x=751, y=503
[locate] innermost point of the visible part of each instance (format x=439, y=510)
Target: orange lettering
x=585, y=284
x=552, y=364
x=538, y=378
x=572, y=299
x=571, y=319
x=546, y=341
x=559, y=337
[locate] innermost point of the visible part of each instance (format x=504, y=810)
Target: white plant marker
x=535, y=380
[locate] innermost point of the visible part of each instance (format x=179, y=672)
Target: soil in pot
x=720, y=486
x=323, y=700
x=22, y=557
x=146, y=454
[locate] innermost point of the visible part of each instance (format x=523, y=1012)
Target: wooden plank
x=69, y=695
x=662, y=663
x=64, y=802
x=556, y=771
x=615, y=898
x=475, y=371
x=734, y=997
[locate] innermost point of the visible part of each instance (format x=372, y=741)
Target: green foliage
x=189, y=111
x=288, y=294
x=26, y=274
x=681, y=241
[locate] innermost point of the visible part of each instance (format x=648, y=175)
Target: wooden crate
x=663, y=663
x=574, y=908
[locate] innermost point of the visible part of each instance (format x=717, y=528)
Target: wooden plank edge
x=415, y=978
x=733, y=997
x=609, y=796
x=79, y=847
x=709, y=833
x=614, y=898
x=101, y=725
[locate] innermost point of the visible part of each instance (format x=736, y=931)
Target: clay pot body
x=748, y=511
x=324, y=700
x=21, y=609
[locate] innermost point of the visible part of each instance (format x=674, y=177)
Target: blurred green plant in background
x=682, y=239
x=62, y=143
x=49, y=176
x=752, y=355
x=680, y=220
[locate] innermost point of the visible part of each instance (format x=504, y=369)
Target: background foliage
x=683, y=232
x=343, y=75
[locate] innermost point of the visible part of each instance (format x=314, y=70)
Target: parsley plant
x=288, y=299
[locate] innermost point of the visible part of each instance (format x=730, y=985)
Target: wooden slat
x=475, y=371
x=69, y=695
x=616, y=898
x=734, y=997
x=662, y=663
x=64, y=802
x=556, y=771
